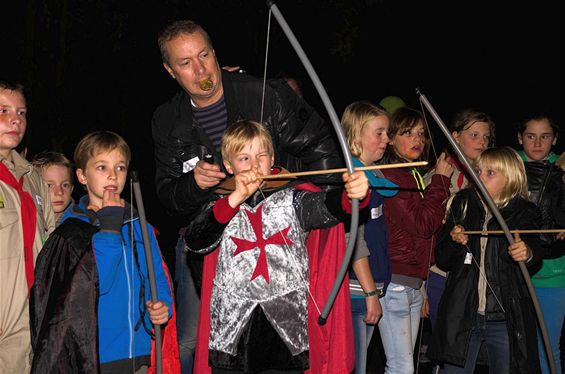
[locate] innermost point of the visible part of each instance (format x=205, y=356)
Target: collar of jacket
x=80, y=211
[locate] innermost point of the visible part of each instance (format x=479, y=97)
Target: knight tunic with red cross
x=262, y=262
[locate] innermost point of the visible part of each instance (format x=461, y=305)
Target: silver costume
x=240, y=285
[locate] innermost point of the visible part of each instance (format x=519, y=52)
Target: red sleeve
x=346, y=203
x=223, y=212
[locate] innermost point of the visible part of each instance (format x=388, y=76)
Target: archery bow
x=344, y=148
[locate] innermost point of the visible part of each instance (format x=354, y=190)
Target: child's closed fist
x=457, y=236
x=519, y=251
x=356, y=185
x=246, y=184
x=443, y=166
x=158, y=312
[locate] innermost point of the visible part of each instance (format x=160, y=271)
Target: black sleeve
x=204, y=232
x=558, y=206
x=318, y=209
x=555, y=250
x=176, y=190
x=531, y=220
x=308, y=140
x=450, y=254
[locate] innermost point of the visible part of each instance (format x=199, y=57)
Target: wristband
x=376, y=292
x=111, y=218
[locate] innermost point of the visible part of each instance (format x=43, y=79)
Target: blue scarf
x=383, y=186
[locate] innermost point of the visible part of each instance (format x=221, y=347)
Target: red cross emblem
x=242, y=245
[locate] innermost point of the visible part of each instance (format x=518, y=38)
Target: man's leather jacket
x=303, y=140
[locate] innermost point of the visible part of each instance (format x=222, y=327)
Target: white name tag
x=468, y=258
x=190, y=164
x=377, y=212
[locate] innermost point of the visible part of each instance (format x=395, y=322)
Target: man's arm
x=304, y=134
x=176, y=186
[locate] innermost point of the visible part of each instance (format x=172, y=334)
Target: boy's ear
x=520, y=139
x=455, y=135
x=228, y=167
x=272, y=161
x=81, y=177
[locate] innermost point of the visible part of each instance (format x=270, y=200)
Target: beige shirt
x=454, y=185
x=482, y=286
x=15, y=340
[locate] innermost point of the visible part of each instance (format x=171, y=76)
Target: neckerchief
x=29, y=218
x=459, y=166
x=383, y=186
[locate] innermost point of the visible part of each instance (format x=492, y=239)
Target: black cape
x=64, y=302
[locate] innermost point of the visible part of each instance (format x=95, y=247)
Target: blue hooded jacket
x=122, y=274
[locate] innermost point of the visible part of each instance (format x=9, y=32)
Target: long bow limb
x=150, y=267
x=344, y=148
x=501, y=222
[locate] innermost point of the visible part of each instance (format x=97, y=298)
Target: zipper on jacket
x=130, y=323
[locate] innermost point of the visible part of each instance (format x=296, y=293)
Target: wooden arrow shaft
x=495, y=232
x=343, y=170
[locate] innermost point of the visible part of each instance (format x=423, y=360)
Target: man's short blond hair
x=175, y=29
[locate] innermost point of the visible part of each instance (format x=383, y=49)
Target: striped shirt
x=213, y=120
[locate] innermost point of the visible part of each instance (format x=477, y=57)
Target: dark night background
x=95, y=64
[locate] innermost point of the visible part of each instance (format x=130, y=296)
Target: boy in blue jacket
x=91, y=304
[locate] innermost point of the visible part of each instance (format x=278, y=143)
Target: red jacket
x=412, y=222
